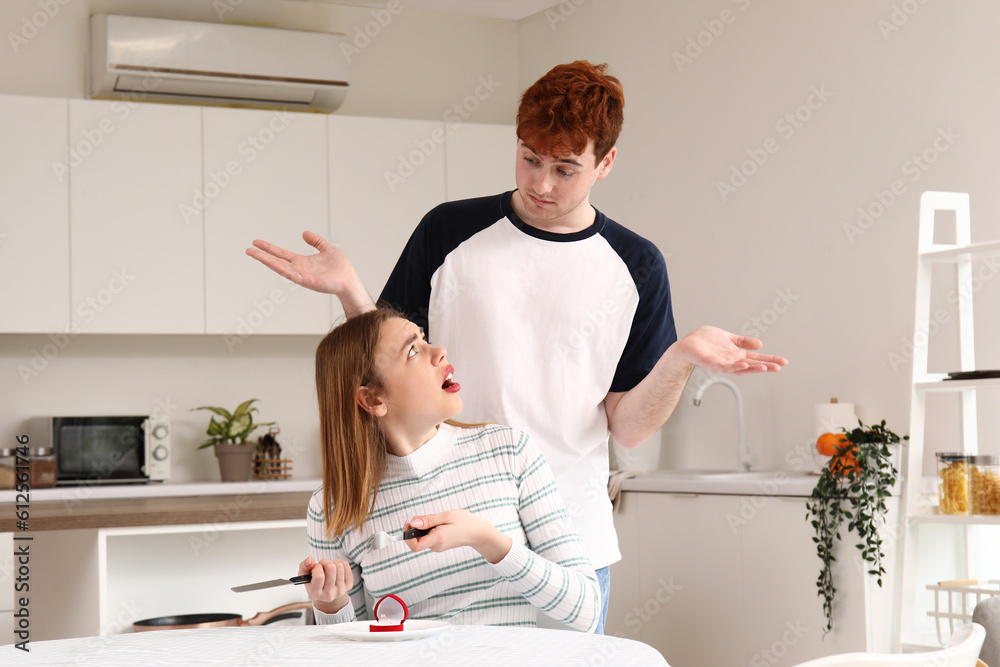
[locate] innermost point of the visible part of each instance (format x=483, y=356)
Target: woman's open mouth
x=449, y=385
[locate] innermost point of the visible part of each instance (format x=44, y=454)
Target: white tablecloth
x=460, y=645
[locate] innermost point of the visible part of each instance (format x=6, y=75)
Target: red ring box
x=395, y=611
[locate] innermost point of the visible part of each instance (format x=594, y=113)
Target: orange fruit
x=829, y=444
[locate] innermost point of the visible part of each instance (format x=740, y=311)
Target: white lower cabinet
x=731, y=580
x=117, y=576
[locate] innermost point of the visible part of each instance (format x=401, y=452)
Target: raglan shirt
x=496, y=473
x=540, y=327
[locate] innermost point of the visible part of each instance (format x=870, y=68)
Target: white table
x=460, y=645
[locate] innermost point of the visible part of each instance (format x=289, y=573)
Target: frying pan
x=220, y=620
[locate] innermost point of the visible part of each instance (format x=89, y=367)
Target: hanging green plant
x=853, y=486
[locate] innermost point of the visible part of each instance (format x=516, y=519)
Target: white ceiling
x=494, y=9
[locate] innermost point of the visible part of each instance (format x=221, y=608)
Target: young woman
x=499, y=546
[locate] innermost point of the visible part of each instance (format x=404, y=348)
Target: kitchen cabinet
x=123, y=559
x=121, y=575
x=943, y=547
x=731, y=580
x=34, y=198
x=137, y=249
x=480, y=159
x=265, y=177
x=385, y=174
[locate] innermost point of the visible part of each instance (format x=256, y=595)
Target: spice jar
x=953, y=487
x=984, y=484
x=8, y=474
x=42, y=468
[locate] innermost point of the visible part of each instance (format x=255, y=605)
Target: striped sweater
x=496, y=473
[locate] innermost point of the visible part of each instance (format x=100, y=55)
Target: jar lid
x=41, y=451
x=985, y=460
x=952, y=456
x=7, y=451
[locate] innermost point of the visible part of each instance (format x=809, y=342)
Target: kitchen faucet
x=743, y=453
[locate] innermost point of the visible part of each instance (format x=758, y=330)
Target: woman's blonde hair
x=354, y=446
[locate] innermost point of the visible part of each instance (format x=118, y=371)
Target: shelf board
x=930, y=515
x=935, y=382
x=961, y=253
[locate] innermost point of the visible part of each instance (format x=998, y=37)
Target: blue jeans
x=604, y=583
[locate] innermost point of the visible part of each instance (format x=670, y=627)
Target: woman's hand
x=331, y=580
x=459, y=528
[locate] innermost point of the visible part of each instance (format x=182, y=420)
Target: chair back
x=961, y=651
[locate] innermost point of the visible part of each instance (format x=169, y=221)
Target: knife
x=303, y=579
x=306, y=578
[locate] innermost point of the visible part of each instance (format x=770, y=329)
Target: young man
x=558, y=317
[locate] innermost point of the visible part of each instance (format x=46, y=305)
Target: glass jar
x=984, y=484
x=8, y=472
x=42, y=468
x=953, y=482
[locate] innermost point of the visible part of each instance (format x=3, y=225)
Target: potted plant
x=229, y=437
x=853, y=486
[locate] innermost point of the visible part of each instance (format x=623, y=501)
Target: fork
x=382, y=538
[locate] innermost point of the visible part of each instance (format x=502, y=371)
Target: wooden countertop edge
x=162, y=511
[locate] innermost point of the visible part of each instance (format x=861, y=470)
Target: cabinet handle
x=685, y=495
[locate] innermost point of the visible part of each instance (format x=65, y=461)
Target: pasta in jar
x=953, y=484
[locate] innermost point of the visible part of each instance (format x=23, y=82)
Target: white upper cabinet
x=34, y=231
x=480, y=159
x=265, y=177
x=385, y=174
x=138, y=253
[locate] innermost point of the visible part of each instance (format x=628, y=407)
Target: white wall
x=851, y=300
x=418, y=66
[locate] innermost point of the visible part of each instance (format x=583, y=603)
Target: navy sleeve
x=653, y=329
x=443, y=229
x=408, y=288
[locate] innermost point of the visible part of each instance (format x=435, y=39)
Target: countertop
x=758, y=483
x=82, y=507
x=116, y=506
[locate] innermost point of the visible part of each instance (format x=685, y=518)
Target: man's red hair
x=569, y=106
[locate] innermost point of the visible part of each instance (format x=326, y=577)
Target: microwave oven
x=105, y=450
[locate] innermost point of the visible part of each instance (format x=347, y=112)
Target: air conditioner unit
x=161, y=60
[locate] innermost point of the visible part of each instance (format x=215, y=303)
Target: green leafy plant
x=853, y=486
x=233, y=428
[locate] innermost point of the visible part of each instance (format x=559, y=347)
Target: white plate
x=358, y=631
